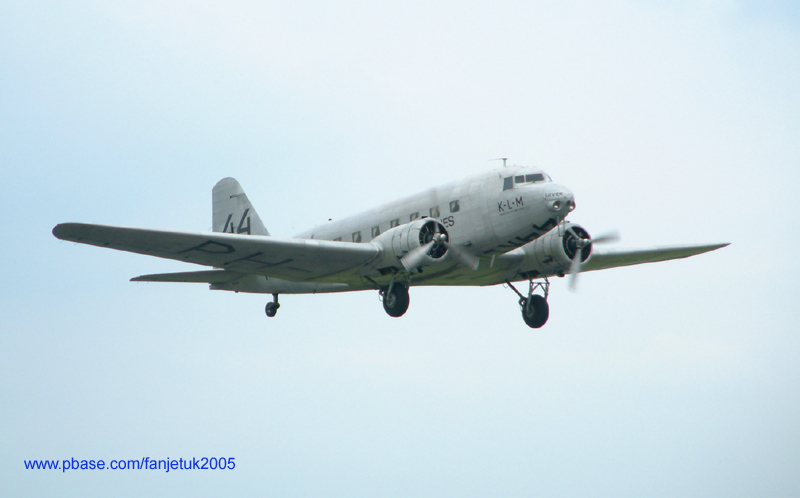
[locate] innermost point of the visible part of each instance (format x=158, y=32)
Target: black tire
x=537, y=312
x=271, y=309
x=396, y=303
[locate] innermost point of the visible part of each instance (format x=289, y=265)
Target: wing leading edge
x=287, y=258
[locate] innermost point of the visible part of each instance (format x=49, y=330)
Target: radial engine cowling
x=552, y=253
x=404, y=239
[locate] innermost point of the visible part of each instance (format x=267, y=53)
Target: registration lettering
x=242, y=228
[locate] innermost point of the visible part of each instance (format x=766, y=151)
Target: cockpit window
x=510, y=181
x=537, y=177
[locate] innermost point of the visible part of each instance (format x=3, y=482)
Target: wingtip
x=58, y=231
x=712, y=247
x=65, y=231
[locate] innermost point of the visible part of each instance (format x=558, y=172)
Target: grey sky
x=672, y=122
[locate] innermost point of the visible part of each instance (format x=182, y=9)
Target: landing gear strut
x=272, y=307
x=395, y=299
x=534, y=307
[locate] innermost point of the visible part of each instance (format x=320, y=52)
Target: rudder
x=232, y=211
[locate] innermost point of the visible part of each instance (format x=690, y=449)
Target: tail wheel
x=535, y=311
x=271, y=309
x=395, y=300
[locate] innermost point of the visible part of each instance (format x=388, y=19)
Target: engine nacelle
x=552, y=253
x=398, y=241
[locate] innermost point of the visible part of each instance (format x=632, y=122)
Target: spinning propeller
x=414, y=258
x=580, y=244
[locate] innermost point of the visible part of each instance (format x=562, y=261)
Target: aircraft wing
x=286, y=258
x=613, y=258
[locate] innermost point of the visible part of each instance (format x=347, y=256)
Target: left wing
x=613, y=258
x=286, y=258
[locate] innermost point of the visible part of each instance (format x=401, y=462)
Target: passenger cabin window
x=356, y=236
x=508, y=183
x=413, y=216
x=454, y=207
x=376, y=231
x=337, y=239
x=394, y=223
x=435, y=212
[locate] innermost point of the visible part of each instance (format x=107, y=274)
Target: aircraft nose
x=559, y=199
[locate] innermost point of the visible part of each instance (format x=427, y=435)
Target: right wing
x=613, y=258
x=286, y=258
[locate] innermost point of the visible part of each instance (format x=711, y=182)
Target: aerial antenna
x=499, y=158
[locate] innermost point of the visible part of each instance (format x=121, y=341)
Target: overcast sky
x=673, y=122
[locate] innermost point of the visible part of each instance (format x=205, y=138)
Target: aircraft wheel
x=537, y=313
x=271, y=309
x=395, y=303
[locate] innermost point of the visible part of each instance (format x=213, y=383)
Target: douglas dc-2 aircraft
x=507, y=225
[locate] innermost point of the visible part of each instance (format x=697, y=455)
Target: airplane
x=503, y=226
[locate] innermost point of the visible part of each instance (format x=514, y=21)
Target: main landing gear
x=272, y=307
x=534, y=307
x=395, y=299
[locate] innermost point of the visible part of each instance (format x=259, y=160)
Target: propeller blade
x=463, y=256
x=606, y=237
x=575, y=269
x=412, y=259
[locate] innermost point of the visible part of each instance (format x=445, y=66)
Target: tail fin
x=232, y=211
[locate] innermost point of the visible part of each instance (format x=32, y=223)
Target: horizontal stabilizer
x=613, y=258
x=205, y=276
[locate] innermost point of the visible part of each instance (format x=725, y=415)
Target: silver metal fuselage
x=487, y=219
